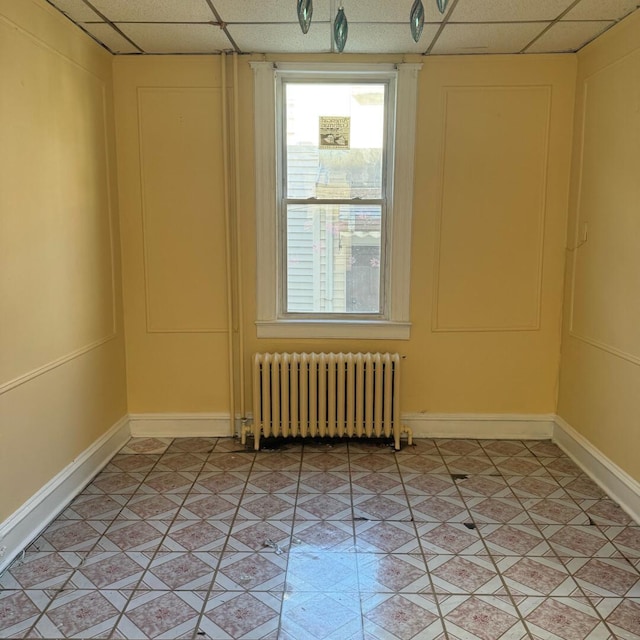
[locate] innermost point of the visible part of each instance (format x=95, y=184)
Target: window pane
x=333, y=259
x=334, y=137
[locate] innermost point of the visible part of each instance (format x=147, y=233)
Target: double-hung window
x=334, y=190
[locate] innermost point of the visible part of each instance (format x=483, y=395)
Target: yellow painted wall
x=62, y=376
x=491, y=189
x=600, y=367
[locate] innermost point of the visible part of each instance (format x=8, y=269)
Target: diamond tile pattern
x=459, y=539
x=376, y=26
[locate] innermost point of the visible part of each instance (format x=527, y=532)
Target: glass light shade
x=442, y=5
x=340, y=30
x=305, y=11
x=416, y=19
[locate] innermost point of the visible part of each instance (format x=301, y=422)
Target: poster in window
x=335, y=132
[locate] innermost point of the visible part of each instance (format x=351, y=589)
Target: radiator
x=326, y=395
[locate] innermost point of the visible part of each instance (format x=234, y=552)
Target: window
x=334, y=189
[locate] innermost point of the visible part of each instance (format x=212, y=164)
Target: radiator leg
x=244, y=430
x=409, y=433
x=256, y=440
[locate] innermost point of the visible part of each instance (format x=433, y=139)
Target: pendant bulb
x=416, y=19
x=305, y=11
x=442, y=5
x=340, y=30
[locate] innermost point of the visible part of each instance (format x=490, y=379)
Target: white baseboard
x=617, y=483
x=483, y=426
x=23, y=526
x=179, y=425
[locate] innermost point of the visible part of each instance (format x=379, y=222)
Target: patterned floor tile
x=430, y=484
x=484, y=617
x=621, y=615
x=382, y=573
x=209, y=506
x=399, y=616
x=231, y=445
x=160, y=614
x=279, y=506
x=179, y=482
x=606, y=512
x=418, y=446
x=582, y=488
x=146, y=446
x=502, y=448
x=464, y=574
x=272, y=482
x=121, y=483
x=497, y=510
x=181, y=571
x=626, y=540
x=470, y=465
x=377, y=482
x=514, y=540
x=110, y=570
x=533, y=576
x=530, y=487
x=321, y=616
x=89, y=506
x=152, y=507
x=325, y=461
x=229, y=461
x=41, y=570
x=607, y=577
x=561, y=466
x=181, y=461
x=193, y=445
x=131, y=463
x=19, y=610
x=70, y=535
x=322, y=571
x=323, y=506
x=438, y=509
x=323, y=535
x=578, y=541
x=325, y=482
x=230, y=482
x=196, y=535
x=450, y=538
x=423, y=463
x=563, y=619
x=134, y=535
x=484, y=486
x=251, y=571
x=241, y=615
x=373, y=462
x=371, y=445
x=381, y=507
x=82, y=614
x=545, y=449
x=276, y=461
x=459, y=447
x=548, y=511
x=386, y=537
x=260, y=535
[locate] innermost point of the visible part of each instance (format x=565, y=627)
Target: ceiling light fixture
x=341, y=25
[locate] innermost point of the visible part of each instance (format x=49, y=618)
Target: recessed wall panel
x=492, y=208
x=183, y=209
x=606, y=291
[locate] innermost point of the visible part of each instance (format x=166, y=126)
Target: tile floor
x=458, y=539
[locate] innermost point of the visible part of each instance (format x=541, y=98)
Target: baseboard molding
x=617, y=483
x=179, y=425
x=23, y=526
x=480, y=425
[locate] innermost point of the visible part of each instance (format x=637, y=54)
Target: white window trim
x=268, y=324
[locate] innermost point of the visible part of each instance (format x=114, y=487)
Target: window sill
x=340, y=329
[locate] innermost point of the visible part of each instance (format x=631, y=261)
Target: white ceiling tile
x=385, y=11
x=568, y=36
x=602, y=9
x=155, y=10
x=387, y=38
x=177, y=38
x=77, y=10
x=281, y=38
x=508, y=10
x=106, y=34
x=268, y=11
x=486, y=38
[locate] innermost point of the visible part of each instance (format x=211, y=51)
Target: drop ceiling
x=375, y=26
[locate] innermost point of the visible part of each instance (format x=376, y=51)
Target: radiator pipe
x=227, y=234
x=240, y=304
